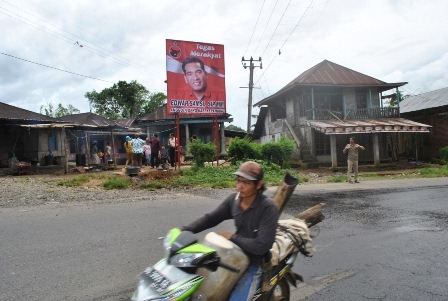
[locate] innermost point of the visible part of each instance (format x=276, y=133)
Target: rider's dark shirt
x=255, y=227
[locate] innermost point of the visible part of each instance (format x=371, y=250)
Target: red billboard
x=195, y=78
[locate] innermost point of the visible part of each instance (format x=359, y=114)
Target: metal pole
x=177, y=143
x=251, y=85
x=216, y=137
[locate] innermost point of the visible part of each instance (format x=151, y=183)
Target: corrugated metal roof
x=389, y=125
x=428, y=100
x=12, y=113
x=330, y=73
x=126, y=122
x=90, y=119
x=327, y=73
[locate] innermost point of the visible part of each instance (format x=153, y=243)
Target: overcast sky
x=391, y=40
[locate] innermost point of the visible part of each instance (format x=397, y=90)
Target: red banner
x=195, y=78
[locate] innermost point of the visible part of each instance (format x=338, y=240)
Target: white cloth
x=283, y=244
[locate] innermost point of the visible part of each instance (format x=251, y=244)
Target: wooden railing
x=375, y=113
x=323, y=114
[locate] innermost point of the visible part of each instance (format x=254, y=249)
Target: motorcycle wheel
x=281, y=291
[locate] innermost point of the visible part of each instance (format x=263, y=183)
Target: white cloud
x=390, y=40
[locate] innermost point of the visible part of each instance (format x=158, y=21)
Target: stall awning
x=389, y=125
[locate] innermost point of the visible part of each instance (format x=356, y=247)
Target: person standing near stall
x=172, y=142
x=155, y=148
x=147, y=151
x=137, y=149
x=129, y=153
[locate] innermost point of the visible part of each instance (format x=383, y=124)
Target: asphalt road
x=376, y=243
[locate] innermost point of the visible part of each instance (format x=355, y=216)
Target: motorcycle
x=208, y=270
x=188, y=264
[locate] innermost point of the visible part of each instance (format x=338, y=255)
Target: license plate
x=155, y=280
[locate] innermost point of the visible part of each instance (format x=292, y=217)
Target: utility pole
x=251, y=86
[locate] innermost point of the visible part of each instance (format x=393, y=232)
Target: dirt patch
x=158, y=175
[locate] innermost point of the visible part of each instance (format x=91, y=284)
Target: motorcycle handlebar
x=229, y=267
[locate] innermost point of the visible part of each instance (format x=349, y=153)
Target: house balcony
x=356, y=114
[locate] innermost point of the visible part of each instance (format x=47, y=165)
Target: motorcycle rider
x=255, y=216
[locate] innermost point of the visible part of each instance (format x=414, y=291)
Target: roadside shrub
x=278, y=152
x=202, y=152
x=444, y=153
x=243, y=149
x=438, y=161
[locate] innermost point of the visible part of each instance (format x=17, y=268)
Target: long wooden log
x=284, y=191
x=313, y=215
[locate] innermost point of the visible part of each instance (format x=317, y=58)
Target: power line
x=101, y=51
x=295, y=27
x=253, y=31
x=272, y=12
x=96, y=37
x=284, y=43
x=273, y=34
x=78, y=74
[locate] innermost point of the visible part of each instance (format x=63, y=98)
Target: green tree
x=396, y=98
x=124, y=100
x=232, y=127
x=60, y=110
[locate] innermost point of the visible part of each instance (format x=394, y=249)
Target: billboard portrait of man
x=195, y=78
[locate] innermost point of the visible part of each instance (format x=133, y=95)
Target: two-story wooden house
x=325, y=106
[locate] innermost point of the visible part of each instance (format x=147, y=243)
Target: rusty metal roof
x=126, y=122
x=90, y=119
x=12, y=114
x=424, y=101
x=329, y=74
x=389, y=125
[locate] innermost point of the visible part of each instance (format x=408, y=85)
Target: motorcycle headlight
x=185, y=260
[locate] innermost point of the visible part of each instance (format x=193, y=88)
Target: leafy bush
x=444, y=153
x=202, y=152
x=438, y=161
x=278, y=152
x=243, y=149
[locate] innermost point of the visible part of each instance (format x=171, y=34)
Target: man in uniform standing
x=352, y=149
